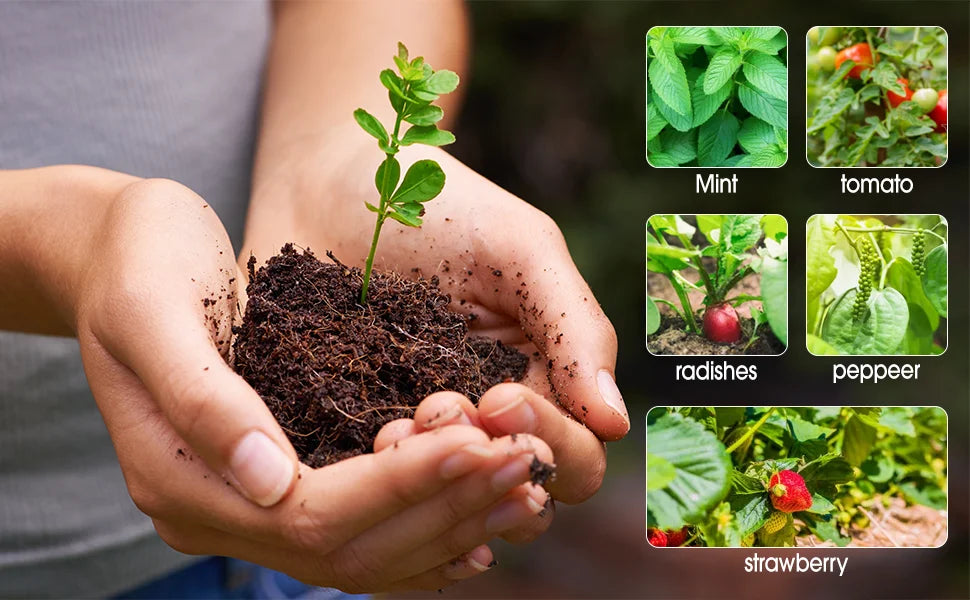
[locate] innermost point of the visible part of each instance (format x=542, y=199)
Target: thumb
x=208, y=405
x=561, y=317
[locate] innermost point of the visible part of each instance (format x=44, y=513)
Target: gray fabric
x=161, y=89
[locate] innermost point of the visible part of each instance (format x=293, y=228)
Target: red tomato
x=860, y=54
x=938, y=114
x=895, y=99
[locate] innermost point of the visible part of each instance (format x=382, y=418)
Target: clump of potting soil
x=333, y=371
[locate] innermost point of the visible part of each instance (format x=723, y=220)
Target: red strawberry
x=657, y=538
x=677, y=537
x=788, y=492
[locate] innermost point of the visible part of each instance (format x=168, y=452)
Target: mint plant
x=412, y=91
x=717, y=97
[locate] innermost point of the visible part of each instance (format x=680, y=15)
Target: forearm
x=49, y=218
x=323, y=64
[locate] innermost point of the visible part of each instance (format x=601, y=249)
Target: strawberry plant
x=877, y=96
x=711, y=258
x=876, y=285
x=717, y=97
x=773, y=476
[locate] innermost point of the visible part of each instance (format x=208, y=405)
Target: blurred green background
x=554, y=112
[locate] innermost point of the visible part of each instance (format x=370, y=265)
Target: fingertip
x=507, y=408
x=445, y=408
x=393, y=432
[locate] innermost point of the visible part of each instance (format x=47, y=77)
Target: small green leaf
x=387, y=176
x=440, y=82
x=722, y=67
x=402, y=52
x=668, y=79
x=716, y=138
x=693, y=35
x=405, y=218
x=422, y=182
x=653, y=317
x=424, y=115
x=934, y=279
x=371, y=125
x=767, y=108
x=394, y=84
x=371, y=207
x=767, y=74
x=829, y=108
x=428, y=135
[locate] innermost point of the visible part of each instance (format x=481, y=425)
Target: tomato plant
x=717, y=97
x=864, y=113
x=876, y=285
x=716, y=470
x=721, y=250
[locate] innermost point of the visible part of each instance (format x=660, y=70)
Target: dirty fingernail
x=260, y=469
x=610, y=393
x=516, y=416
x=464, y=460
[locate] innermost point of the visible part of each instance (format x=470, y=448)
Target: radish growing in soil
x=335, y=351
x=715, y=255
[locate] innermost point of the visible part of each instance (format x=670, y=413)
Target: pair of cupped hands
x=205, y=459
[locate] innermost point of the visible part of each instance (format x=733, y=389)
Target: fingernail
x=260, y=469
x=455, y=416
x=464, y=460
x=507, y=515
x=511, y=475
x=476, y=565
x=610, y=393
x=516, y=416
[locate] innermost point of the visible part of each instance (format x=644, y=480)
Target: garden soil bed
x=334, y=372
x=672, y=337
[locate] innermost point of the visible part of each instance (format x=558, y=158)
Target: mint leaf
x=767, y=108
x=723, y=66
x=767, y=74
x=716, y=138
x=668, y=77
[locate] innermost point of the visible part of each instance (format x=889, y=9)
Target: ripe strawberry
x=657, y=538
x=677, y=537
x=788, y=492
x=775, y=522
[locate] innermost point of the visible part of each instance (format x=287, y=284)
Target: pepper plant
x=876, y=285
x=711, y=469
x=730, y=248
x=412, y=92
x=877, y=96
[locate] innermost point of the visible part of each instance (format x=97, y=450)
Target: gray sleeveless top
x=163, y=89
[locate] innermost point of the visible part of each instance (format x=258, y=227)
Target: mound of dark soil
x=334, y=372
x=673, y=338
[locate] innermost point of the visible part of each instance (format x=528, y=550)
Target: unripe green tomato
x=831, y=36
x=813, y=36
x=826, y=57
x=926, y=98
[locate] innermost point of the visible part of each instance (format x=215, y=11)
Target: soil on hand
x=334, y=372
x=673, y=338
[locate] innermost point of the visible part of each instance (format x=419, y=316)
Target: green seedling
x=412, y=92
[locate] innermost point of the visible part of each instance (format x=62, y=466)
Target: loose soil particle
x=334, y=372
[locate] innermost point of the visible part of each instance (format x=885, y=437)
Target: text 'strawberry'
x=677, y=537
x=788, y=492
x=775, y=522
x=656, y=537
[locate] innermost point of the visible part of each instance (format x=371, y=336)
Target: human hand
x=501, y=260
x=203, y=456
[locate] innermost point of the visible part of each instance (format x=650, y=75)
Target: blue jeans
x=219, y=578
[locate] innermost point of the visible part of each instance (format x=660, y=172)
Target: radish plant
x=714, y=257
x=876, y=285
x=411, y=91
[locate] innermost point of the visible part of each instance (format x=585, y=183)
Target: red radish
x=721, y=324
